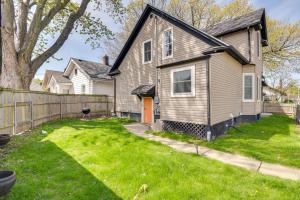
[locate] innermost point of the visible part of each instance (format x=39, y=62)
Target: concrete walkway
x=228, y=158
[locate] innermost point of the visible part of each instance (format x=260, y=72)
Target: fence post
x=60, y=109
x=107, y=107
x=31, y=113
x=15, y=117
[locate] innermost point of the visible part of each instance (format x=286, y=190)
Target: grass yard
x=273, y=139
x=99, y=159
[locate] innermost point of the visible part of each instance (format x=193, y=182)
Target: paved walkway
x=232, y=159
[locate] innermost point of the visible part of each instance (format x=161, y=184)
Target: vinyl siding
x=78, y=80
x=239, y=40
x=134, y=73
x=185, y=109
x=226, y=87
x=103, y=87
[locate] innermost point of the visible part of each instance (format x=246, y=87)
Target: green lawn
x=99, y=159
x=273, y=139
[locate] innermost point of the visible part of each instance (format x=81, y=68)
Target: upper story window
x=248, y=87
x=168, y=43
x=75, y=72
x=82, y=89
x=183, y=82
x=258, y=43
x=147, y=51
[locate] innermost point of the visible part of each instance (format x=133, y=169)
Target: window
x=258, y=89
x=147, y=51
x=82, y=89
x=168, y=43
x=258, y=44
x=75, y=71
x=65, y=91
x=183, y=82
x=248, y=87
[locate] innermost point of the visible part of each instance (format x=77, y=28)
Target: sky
x=286, y=10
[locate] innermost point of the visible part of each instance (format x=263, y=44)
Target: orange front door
x=148, y=110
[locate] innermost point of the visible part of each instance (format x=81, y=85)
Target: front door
x=147, y=110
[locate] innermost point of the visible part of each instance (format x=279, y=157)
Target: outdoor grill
x=86, y=112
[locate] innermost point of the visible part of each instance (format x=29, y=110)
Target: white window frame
x=258, y=49
x=143, y=51
x=253, y=92
x=189, y=94
x=84, y=89
x=258, y=89
x=163, y=43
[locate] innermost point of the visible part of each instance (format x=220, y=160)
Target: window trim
x=163, y=45
x=143, y=51
x=258, y=49
x=84, y=89
x=258, y=89
x=189, y=94
x=253, y=92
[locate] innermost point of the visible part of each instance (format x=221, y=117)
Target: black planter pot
x=7, y=180
x=4, y=139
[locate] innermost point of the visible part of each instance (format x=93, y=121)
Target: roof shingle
x=94, y=70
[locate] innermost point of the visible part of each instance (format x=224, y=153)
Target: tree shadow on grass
x=44, y=171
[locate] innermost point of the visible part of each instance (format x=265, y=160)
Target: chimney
x=105, y=60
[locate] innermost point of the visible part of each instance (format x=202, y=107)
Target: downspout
x=209, y=136
x=249, y=44
x=115, y=92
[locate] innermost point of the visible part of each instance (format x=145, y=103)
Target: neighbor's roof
x=96, y=71
x=48, y=75
x=60, y=78
x=213, y=41
x=251, y=19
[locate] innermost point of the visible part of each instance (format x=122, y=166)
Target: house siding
x=226, y=87
x=78, y=80
x=103, y=87
x=134, y=73
x=239, y=40
x=185, y=109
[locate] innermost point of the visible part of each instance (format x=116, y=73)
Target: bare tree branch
x=62, y=38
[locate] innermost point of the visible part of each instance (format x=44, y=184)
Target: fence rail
x=21, y=110
x=280, y=108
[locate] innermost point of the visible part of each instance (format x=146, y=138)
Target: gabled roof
x=48, y=75
x=144, y=90
x=60, y=78
x=179, y=23
x=252, y=19
x=95, y=71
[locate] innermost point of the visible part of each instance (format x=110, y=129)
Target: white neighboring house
x=81, y=77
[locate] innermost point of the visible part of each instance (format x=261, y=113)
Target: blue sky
x=287, y=10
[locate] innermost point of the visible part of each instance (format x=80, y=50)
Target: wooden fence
x=22, y=110
x=280, y=108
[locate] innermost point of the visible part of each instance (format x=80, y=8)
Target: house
x=36, y=85
x=81, y=77
x=189, y=80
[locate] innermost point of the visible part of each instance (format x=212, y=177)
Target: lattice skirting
x=198, y=130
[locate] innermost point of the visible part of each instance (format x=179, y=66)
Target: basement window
x=183, y=82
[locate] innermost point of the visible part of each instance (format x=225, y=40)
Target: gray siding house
x=190, y=80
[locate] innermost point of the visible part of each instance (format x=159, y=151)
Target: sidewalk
x=228, y=158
